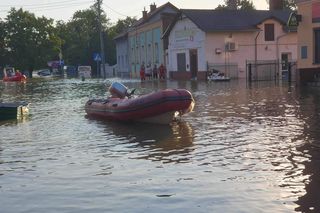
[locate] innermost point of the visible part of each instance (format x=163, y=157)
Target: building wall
x=245, y=48
x=250, y=46
x=145, y=43
x=306, y=36
x=284, y=43
x=146, y=47
x=122, y=56
x=184, y=36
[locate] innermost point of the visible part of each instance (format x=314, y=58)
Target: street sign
x=96, y=57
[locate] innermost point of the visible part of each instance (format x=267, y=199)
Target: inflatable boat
x=11, y=75
x=157, y=107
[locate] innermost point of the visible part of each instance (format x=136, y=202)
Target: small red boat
x=11, y=75
x=157, y=107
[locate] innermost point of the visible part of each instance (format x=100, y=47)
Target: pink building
x=226, y=40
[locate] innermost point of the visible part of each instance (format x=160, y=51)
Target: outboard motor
x=118, y=90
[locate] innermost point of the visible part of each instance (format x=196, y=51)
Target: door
x=284, y=65
x=181, y=61
x=194, y=63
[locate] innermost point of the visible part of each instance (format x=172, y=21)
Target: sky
x=115, y=9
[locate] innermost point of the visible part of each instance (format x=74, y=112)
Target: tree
x=236, y=4
x=80, y=37
x=122, y=25
x=30, y=41
x=2, y=44
x=290, y=4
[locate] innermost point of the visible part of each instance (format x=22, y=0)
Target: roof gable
x=168, y=7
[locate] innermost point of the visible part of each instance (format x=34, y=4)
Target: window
x=304, y=52
x=317, y=46
x=269, y=32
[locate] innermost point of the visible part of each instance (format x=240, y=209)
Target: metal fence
x=229, y=69
x=271, y=70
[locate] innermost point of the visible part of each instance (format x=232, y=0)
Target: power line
x=52, y=7
x=41, y=4
x=121, y=14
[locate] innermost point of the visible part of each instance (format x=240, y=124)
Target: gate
x=271, y=70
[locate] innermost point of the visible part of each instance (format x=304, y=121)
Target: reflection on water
x=245, y=148
x=165, y=143
x=308, y=155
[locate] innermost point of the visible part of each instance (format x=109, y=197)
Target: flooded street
x=244, y=148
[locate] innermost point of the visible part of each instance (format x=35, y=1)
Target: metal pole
x=289, y=72
x=250, y=73
x=99, y=2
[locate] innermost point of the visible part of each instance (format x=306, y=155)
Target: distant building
x=142, y=43
x=227, y=39
x=309, y=41
x=122, y=50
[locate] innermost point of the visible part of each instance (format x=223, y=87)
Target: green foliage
x=120, y=27
x=239, y=5
x=30, y=42
x=2, y=43
x=290, y=4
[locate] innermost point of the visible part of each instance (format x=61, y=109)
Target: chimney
x=276, y=4
x=153, y=7
x=144, y=14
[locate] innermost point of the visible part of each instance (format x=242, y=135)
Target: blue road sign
x=96, y=57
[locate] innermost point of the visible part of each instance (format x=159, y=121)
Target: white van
x=84, y=71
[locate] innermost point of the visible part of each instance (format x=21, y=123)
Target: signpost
x=97, y=58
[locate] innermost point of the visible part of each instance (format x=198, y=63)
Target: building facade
x=309, y=40
x=227, y=42
x=142, y=44
x=122, y=47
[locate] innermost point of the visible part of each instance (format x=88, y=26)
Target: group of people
x=152, y=73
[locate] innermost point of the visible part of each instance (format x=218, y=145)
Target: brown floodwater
x=244, y=148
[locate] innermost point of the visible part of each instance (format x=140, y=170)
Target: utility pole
x=99, y=2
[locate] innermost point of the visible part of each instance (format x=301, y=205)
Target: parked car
x=43, y=73
x=84, y=71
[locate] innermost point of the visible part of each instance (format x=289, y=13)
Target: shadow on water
x=166, y=143
x=310, y=108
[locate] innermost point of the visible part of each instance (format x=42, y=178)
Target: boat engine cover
x=118, y=90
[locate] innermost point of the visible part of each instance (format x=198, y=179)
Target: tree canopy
x=236, y=5
x=28, y=42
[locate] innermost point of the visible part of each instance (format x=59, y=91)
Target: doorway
x=285, y=58
x=181, y=60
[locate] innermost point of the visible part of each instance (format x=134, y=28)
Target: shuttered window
x=269, y=32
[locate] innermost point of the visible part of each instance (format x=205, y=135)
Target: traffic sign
x=96, y=57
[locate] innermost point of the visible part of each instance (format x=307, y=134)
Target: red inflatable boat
x=15, y=78
x=157, y=107
x=11, y=75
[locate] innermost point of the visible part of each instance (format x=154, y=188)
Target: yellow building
x=309, y=41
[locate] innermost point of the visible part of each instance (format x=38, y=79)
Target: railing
x=271, y=70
